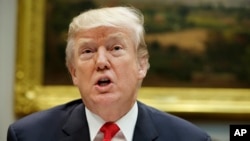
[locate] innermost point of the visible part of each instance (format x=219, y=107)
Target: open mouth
x=103, y=82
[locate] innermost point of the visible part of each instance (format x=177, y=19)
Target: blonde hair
x=120, y=17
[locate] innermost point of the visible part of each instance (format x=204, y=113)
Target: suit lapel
x=144, y=129
x=76, y=126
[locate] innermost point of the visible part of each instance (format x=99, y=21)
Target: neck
x=112, y=113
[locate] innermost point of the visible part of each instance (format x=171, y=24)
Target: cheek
x=128, y=71
x=83, y=72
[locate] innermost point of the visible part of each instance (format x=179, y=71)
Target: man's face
x=106, y=68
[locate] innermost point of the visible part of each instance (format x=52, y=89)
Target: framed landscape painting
x=199, y=55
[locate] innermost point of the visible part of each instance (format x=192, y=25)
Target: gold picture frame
x=31, y=95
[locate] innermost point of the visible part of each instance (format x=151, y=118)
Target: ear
x=143, y=67
x=73, y=74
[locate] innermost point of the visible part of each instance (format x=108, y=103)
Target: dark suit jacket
x=68, y=123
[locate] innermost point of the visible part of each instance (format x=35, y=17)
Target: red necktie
x=109, y=129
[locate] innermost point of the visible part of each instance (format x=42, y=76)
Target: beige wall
x=7, y=53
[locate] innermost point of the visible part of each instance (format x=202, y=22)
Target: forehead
x=103, y=33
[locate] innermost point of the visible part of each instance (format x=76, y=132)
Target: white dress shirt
x=126, y=125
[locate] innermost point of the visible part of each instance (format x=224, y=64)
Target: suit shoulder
x=52, y=115
x=176, y=126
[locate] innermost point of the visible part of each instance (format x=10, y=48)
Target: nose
x=102, y=61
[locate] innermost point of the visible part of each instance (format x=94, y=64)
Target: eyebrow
x=84, y=41
x=118, y=35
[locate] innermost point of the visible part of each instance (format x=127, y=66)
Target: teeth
x=104, y=79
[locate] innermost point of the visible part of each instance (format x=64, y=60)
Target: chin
x=106, y=98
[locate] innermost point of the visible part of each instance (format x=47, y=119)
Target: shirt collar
x=126, y=123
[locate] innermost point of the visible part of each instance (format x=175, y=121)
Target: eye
x=117, y=47
x=117, y=50
x=86, y=51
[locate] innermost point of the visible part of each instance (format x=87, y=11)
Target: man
x=107, y=58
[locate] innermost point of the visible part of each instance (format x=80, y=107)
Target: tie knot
x=109, y=129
